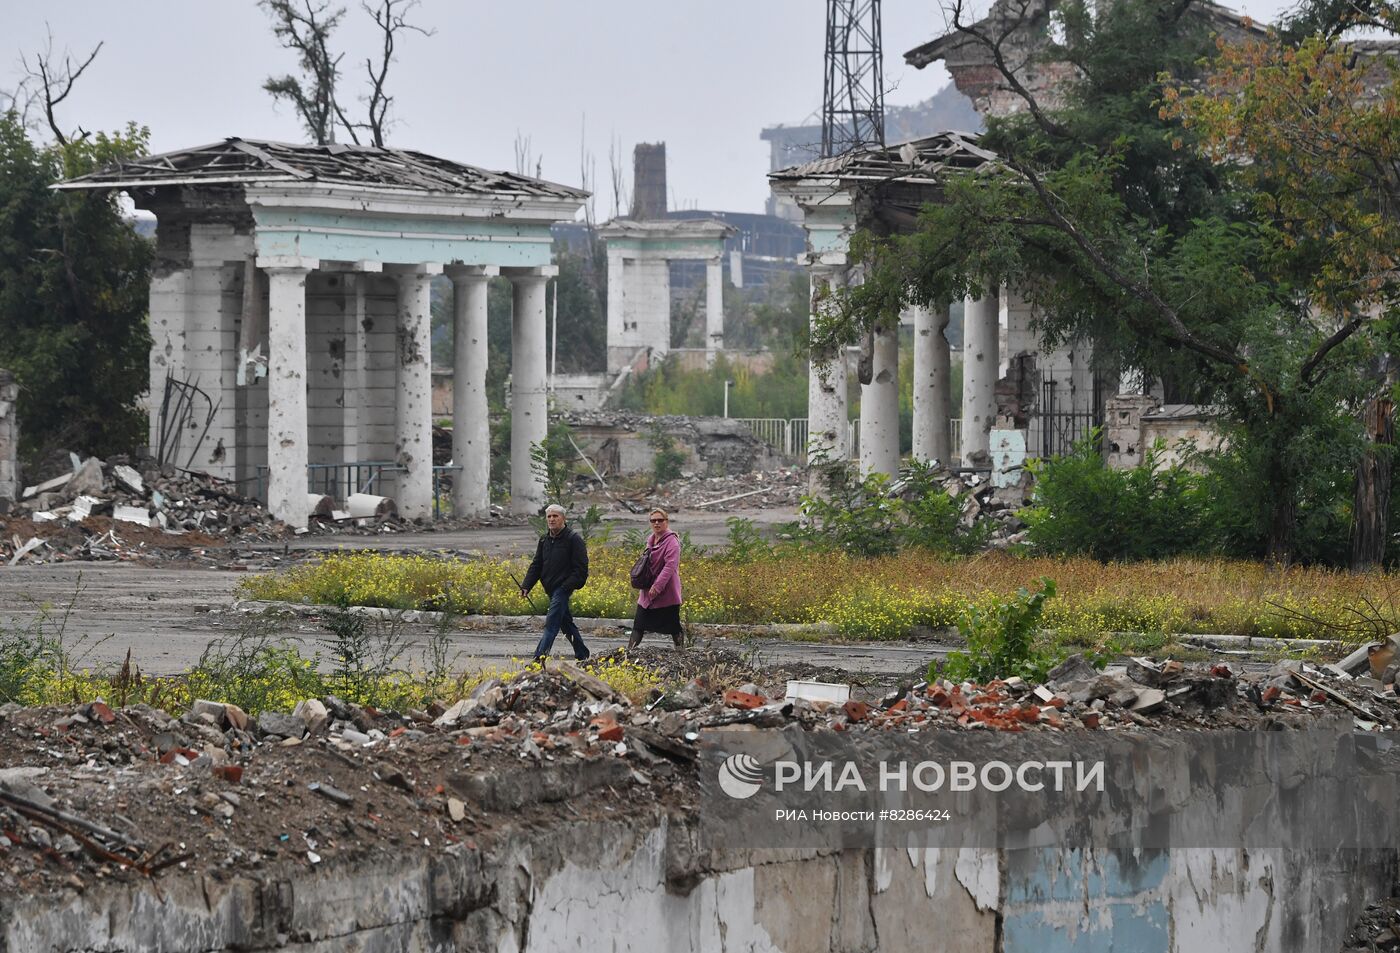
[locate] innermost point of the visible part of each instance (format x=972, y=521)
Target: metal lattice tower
x=853, y=100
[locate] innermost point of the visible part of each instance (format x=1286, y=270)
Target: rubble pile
x=761, y=489
x=993, y=506
x=115, y=510
x=719, y=444
x=95, y=792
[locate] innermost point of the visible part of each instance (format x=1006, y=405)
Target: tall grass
x=888, y=597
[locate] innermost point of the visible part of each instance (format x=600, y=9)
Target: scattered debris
x=228, y=792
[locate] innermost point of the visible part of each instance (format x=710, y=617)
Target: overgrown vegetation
x=883, y=597
x=74, y=278
x=879, y=516
x=666, y=464
x=362, y=660
x=1083, y=507
x=1226, y=225
x=1209, y=506
x=1001, y=640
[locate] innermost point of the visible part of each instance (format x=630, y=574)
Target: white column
x=413, y=397
x=617, y=327
x=931, y=385
x=169, y=308
x=826, y=382
x=286, y=388
x=879, y=407
x=714, y=309
x=529, y=405
x=471, y=428
x=980, y=373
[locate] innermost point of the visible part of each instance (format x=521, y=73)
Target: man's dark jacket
x=561, y=562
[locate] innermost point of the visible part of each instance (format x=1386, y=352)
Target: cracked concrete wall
x=642, y=884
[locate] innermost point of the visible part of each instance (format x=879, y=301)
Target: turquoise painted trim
x=455, y=227
x=402, y=250
x=695, y=246
x=824, y=240
x=279, y=232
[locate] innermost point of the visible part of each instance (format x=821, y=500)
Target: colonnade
x=287, y=444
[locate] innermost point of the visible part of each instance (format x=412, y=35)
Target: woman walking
x=659, y=605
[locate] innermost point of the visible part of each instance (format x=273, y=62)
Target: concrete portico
x=1009, y=382
x=880, y=190
x=292, y=299
x=639, y=283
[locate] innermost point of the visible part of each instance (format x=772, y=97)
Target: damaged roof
x=918, y=161
x=237, y=160
x=1220, y=18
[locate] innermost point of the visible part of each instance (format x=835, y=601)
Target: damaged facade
x=1016, y=399
x=290, y=313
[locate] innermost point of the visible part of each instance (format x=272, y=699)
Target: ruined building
x=290, y=314
x=641, y=249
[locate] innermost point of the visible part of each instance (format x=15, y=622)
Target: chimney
x=649, y=180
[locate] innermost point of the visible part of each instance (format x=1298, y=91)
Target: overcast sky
x=704, y=77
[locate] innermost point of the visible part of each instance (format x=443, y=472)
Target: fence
x=789, y=435
x=339, y=480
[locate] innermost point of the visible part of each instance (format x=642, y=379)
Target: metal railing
x=340, y=480
x=789, y=435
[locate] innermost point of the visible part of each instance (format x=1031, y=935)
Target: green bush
x=878, y=516
x=667, y=463
x=1083, y=507
x=1001, y=640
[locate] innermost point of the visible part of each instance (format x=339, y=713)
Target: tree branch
x=56, y=84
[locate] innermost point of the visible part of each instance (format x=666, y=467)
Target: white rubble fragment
x=129, y=478
x=47, y=485
x=132, y=514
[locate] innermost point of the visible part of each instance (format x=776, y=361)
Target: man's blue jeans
x=559, y=617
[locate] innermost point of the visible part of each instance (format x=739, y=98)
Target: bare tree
x=390, y=15
x=305, y=28
x=618, y=173
x=54, y=81
x=522, y=153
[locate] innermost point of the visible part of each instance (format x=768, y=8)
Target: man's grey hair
x=554, y=508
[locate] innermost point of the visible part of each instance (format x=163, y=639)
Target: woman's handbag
x=643, y=574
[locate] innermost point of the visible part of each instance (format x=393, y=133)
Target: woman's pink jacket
x=666, y=560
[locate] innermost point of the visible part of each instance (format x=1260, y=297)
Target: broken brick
x=737, y=699
x=232, y=773
x=612, y=732
x=856, y=710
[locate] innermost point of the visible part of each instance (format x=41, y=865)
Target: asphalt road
x=167, y=616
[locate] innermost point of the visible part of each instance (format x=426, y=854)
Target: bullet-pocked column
x=617, y=314
x=529, y=405
x=981, y=368
x=714, y=309
x=826, y=380
x=286, y=388
x=879, y=407
x=471, y=428
x=932, y=386
x=413, y=397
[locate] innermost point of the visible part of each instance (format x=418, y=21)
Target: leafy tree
x=1311, y=130
x=74, y=284
x=1107, y=210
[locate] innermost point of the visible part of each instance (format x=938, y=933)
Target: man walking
x=561, y=566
